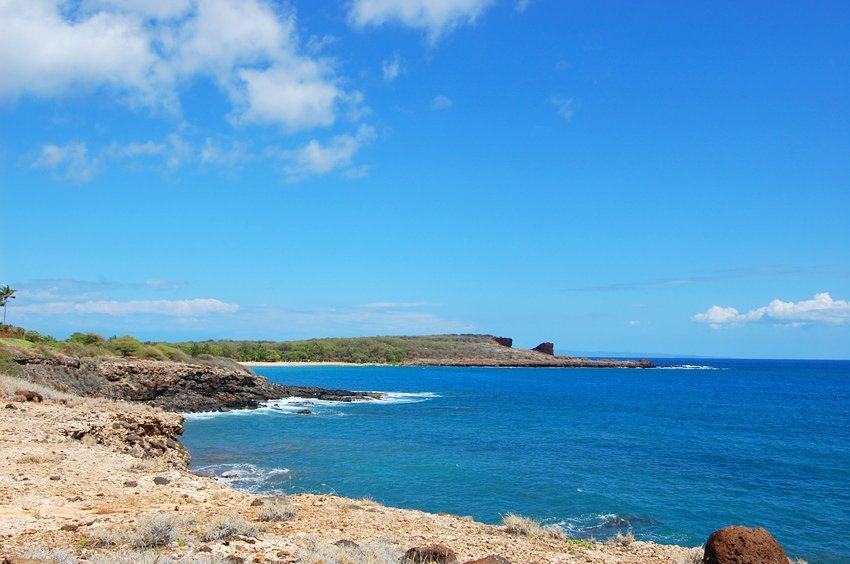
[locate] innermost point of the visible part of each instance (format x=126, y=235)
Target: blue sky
x=654, y=177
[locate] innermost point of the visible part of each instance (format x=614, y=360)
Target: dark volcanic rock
x=169, y=385
x=435, y=553
x=160, y=481
x=304, y=412
x=743, y=545
x=545, y=348
x=504, y=341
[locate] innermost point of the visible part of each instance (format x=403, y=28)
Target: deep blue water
x=672, y=454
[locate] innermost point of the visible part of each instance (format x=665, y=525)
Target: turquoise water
x=671, y=454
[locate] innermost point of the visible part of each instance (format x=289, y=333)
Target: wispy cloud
x=822, y=309
x=172, y=308
x=564, y=106
x=316, y=157
x=441, y=102
x=68, y=162
x=391, y=68
x=435, y=17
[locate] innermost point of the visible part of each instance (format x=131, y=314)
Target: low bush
x=154, y=529
x=278, y=508
x=224, y=526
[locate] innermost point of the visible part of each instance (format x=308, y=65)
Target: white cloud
x=564, y=106
x=441, y=103
x=68, y=162
x=521, y=5
x=318, y=158
x=148, y=50
x=391, y=68
x=172, y=308
x=434, y=16
x=135, y=150
x=821, y=309
x=634, y=322
x=297, y=99
x=214, y=153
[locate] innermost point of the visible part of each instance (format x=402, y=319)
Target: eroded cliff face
x=171, y=386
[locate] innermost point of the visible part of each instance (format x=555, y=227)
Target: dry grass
x=58, y=556
x=39, y=459
x=312, y=550
x=622, y=540
x=525, y=527
x=106, y=537
x=694, y=556
x=224, y=526
x=155, y=529
x=278, y=508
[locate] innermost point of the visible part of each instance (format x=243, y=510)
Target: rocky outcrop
x=504, y=341
x=171, y=386
x=743, y=545
x=545, y=348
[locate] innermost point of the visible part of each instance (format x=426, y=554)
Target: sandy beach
x=102, y=481
x=297, y=364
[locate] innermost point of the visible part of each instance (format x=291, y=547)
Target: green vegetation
x=383, y=350
x=358, y=350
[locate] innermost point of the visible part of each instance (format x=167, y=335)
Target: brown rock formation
x=743, y=545
x=492, y=559
x=435, y=553
x=504, y=341
x=545, y=348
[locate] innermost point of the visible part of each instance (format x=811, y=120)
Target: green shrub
x=36, y=337
x=125, y=346
x=87, y=338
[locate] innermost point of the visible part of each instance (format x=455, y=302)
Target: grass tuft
x=278, y=508
x=525, y=527
x=155, y=529
x=224, y=526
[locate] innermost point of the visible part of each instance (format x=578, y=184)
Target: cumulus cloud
x=147, y=50
x=391, y=68
x=172, y=308
x=441, y=103
x=437, y=17
x=318, y=158
x=821, y=309
x=68, y=162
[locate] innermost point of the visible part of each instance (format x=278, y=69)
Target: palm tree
x=6, y=293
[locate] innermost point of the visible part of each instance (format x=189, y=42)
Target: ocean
x=671, y=453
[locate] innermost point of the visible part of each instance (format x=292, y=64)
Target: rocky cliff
x=171, y=386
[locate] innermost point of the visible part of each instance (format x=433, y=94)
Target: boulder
x=27, y=395
x=304, y=412
x=504, y=341
x=545, y=348
x=432, y=554
x=743, y=545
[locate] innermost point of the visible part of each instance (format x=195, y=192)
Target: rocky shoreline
x=100, y=481
x=172, y=386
